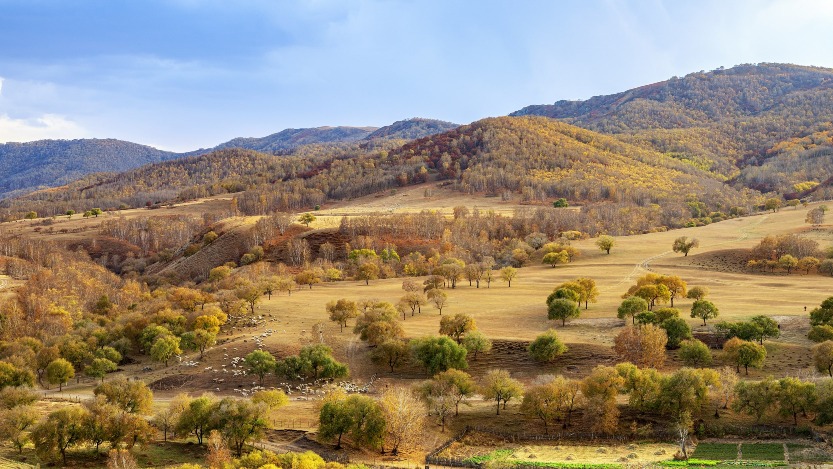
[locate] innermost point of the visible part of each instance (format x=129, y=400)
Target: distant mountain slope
x=533, y=159
x=722, y=120
x=412, y=129
x=291, y=138
x=47, y=163
x=26, y=167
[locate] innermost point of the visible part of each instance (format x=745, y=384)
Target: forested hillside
x=411, y=129
x=533, y=159
x=291, y=138
x=46, y=163
x=723, y=120
x=25, y=167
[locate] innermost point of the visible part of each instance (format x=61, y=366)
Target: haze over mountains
x=25, y=167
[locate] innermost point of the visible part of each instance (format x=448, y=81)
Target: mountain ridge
x=30, y=166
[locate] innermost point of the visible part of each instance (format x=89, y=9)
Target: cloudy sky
x=185, y=74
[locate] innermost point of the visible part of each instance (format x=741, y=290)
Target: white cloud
x=47, y=126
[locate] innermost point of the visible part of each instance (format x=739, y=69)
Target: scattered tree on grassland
x=643, y=345
x=475, y=342
x=498, y=386
x=458, y=326
x=439, y=398
x=555, y=258
x=259, y=362
x=368, y=271
x=787, y=262
x=605, y=243
x=546, y=347
x=16, y=423
x=728, y=379
x=165, y=347
x=744, y=353
x=195, y=416
x=507, y=274
x=59, y=372
x=815, y=216
x=438, y=354
x=704, y=309
x=683, y=244
x=695, y=353
x=697, y=293
x=820, y=333
x=306, y=218
x=312, y=362
x=378, y=323
x=795, y=397
x=11, y=375
x=563, y=309
x=632, y=306
x=341, y=311
x=438, y=298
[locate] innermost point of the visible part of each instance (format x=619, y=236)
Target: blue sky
x=185, y=74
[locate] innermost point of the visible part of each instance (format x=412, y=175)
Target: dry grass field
x=509, y=316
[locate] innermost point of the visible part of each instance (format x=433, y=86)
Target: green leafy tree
x=787, y=262
x=196, y=417
x=475, y=343
x=765, y=328
x=16, y=424
x=795, y=397
x=695, y=353
x=563, y=309
x=438, y=354
x=165, y=348
x=677, y=330
x=772, y=204
x=697, y=293
x=605, y=243
x=259, y=362
x=756, y=399
x=704, y=309
x=11, y=375
x=359, y=416
x=546, y=347
x=632, y=306
x=368, y=271
x=99, y=368
x=62, y=429
x=744, y=353
x=823, y=357
x=240, y=421
x=130, y=396
x=59, y=372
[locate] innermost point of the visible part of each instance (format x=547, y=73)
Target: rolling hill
x=723, y=120
x=26, y=167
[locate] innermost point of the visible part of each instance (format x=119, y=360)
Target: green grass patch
x=566, y=465
x=717, y=452
x=498, y=454
x=691, y=463
x=763, y=451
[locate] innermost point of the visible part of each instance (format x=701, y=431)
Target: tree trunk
x=498, y=407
